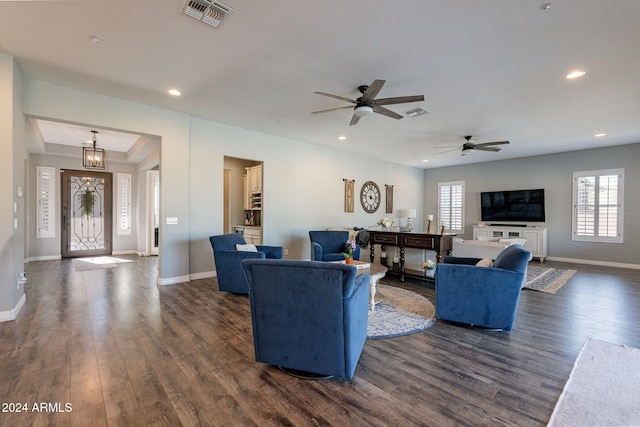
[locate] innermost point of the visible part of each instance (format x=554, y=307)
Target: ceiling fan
x=367, y=104
x=470, y=147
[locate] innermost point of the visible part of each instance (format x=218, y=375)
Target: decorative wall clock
x=370, y=197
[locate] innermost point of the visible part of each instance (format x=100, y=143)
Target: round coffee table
x=377, y=272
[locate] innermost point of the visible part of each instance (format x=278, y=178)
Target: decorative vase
x=430, y=273
x=348, y=260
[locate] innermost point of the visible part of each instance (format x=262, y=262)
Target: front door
x=86, y=213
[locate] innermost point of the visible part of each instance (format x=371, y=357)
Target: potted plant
x=429, y=268
x=350, y=246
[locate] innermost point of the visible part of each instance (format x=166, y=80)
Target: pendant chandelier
x=92, y=157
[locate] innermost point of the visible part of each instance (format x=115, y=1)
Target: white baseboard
x=6, y=316
x=203, y=275
x=187, y=278
x=595, y=262
x=173, y=280
x=129, y=252
x=45, y=258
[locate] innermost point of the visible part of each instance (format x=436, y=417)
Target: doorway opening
x=243, y=198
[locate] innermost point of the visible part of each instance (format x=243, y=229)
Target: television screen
x=513, y=205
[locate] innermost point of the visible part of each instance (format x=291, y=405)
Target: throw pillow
x=485, y=262
x=246, y=248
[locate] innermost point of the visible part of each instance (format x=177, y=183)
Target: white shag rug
x=603, y=389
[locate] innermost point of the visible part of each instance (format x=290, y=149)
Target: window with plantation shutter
x=45, y=211
x=451, y=206
x=123, y=203
x=598, y=206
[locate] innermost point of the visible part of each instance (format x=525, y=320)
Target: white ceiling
x=494, y=69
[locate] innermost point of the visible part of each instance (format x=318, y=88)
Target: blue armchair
x=227, y=260
x=482, y=296
x=308, y=316
x=328, y=245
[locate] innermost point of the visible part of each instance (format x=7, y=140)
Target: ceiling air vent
x=417, y=112
x=209, y=12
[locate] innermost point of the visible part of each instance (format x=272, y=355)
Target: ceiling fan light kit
x=363, y=110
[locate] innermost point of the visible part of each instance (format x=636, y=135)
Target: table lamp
x=411, y=213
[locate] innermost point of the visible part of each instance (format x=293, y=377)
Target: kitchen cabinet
x=253, y=235
x=254, y=174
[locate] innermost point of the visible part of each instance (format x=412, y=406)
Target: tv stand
x=536, y=237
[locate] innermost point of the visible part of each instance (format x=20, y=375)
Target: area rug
x=548, y=280
x=603, y=388
x=401, y=312
x=96, y=263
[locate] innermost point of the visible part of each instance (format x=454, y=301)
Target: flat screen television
x=512, y=206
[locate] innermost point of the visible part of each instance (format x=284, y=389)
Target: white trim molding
x=595, y=262
x=6, y=316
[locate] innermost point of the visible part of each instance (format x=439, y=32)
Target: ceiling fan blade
x=341, y=98
x=485, y=148
x=447, y=151
x=399, y=100
x=332, y=109
x=354, y=120
x=447, y=146
x=385, y=112
x=487, y=144
x=372, y=90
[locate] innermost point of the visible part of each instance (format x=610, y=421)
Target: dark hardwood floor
x=123, y=351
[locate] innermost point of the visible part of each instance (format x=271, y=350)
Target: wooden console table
x=440, y=243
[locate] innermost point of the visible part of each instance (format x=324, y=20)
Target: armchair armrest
x=271, y=252
x=361, y=280
x=316, y=251
x=462, y=276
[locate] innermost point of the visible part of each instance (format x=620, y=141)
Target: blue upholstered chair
x=227, y=260
x=328, y=245
x=482, y=296
x=308, y=316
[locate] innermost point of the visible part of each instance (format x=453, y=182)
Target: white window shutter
x=45, y=211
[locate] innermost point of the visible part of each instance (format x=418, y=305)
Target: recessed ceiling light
x=174, y=92
x=576, y=74
x=425, y=161
x=599, y=133
x=342, y=138
x=94, y=39
x=545, y=6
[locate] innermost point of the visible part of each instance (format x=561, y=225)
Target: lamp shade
x=411, y=213
x=402, y=213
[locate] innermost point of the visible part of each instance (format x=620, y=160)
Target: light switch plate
x=172, y=220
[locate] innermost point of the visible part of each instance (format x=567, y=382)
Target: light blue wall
x=554, y=173
x=303, y=187
x=12, y=206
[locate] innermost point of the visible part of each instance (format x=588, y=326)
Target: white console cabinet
x=536, y=237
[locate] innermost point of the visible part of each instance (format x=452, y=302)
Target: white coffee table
x=376, y=272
